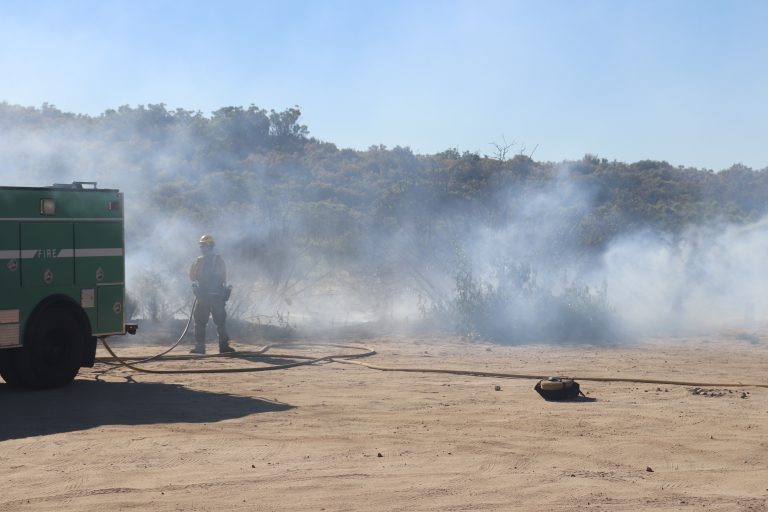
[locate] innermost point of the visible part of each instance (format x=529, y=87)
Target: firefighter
x=209, y=275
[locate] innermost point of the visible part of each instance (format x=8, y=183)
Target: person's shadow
x=87, y=404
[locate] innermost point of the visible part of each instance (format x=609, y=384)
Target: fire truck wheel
x=8, y=368
x=53, y=347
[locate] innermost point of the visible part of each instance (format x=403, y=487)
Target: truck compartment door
x=109, y=300
x=47, y=254
x=9, y=259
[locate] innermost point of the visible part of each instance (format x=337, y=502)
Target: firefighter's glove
x=196, y=289
x=227, y=292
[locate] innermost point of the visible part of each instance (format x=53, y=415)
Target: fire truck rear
x=62, y=271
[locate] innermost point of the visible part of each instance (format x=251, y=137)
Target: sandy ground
x=340, y=437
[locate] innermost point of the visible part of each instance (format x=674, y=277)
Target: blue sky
x=679, y=80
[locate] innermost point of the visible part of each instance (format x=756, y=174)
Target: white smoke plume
x=708, y=277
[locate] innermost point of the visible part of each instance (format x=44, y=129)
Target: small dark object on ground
x=560, y=389
x=715, y=393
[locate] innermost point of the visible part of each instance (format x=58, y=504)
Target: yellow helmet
x=206, y=240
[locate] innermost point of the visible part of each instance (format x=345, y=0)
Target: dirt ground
x=346, y=438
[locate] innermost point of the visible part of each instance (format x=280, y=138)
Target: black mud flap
x=89, y=352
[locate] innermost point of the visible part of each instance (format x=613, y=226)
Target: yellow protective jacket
x=211, y=275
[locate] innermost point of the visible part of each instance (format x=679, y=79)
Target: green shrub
x=511, y=307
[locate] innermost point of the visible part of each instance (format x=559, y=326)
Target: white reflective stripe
x=103, y=251
x=9, y=316
x=60, y=219
x=28, y=254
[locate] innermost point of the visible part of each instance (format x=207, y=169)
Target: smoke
x=709, y=278
x=533, y=272
x=511, y=266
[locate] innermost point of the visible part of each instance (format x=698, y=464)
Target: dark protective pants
x=205, y=308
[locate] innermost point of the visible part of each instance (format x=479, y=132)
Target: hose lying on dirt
x=542, y=377
x=365, y=352
x=121, y=362
x=349, y=359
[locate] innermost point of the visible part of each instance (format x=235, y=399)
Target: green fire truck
x=62, y=268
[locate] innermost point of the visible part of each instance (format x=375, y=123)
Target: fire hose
x=306, y=360
x=350, y=358
x=156, y=356
x=543, y=377
x=367, y=352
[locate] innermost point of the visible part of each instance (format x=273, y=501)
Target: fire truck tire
x=53, y=347
x=8, y=367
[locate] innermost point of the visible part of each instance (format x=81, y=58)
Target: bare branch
x=502, y=149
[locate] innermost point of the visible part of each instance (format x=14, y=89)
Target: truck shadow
x=87, y=404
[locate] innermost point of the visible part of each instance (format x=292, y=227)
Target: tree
x=284, y=126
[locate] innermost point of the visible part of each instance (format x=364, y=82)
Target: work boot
x=224, y=348
x=199, y=349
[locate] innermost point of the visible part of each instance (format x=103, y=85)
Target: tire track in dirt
x=671, y=502
x=72, y=495
x=75, y=482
